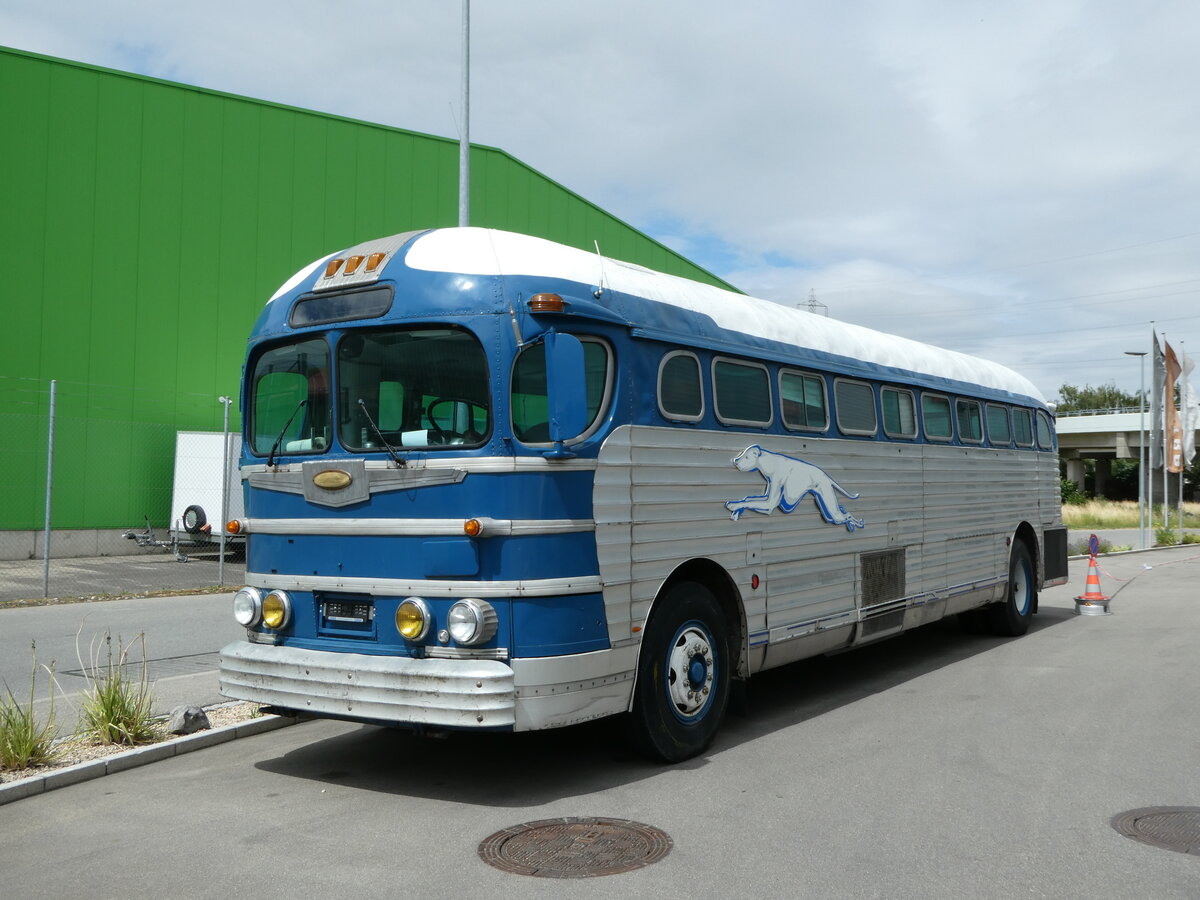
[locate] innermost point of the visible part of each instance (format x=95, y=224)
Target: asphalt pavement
x=937, y=765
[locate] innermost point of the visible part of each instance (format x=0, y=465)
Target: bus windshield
x=422, y=387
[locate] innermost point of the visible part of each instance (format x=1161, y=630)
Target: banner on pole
x=1157, y=378
x=1189, y=411
x=1172, y=425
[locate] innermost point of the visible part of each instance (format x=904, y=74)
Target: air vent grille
x=882, y=575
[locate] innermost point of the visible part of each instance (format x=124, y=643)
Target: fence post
x=224, y=492
x=49, y=491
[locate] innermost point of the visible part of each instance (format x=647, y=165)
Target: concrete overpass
x=1102, y=437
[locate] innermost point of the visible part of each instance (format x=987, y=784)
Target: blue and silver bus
x=492, y=482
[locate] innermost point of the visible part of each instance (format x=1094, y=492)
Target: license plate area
x=346, y=615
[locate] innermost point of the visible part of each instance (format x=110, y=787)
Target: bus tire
x=683, y=675
x=1011, y=617
x=194, y=519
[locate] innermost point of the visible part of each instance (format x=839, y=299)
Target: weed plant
x=117, y=707
x=25, y=742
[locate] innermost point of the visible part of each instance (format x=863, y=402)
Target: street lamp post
x=1143, y=475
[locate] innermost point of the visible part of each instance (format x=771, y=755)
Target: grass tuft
x=117, y=707
x=25, y=742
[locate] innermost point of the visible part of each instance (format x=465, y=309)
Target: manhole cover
x=1170, y=827
x=575, y=847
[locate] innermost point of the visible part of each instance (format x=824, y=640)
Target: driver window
x=530, y=407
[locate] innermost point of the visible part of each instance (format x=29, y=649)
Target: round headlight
x=247, y=607
x=276, y=609
x=413, y=619
x=471, y=622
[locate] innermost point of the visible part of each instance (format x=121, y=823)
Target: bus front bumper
x=445, y=693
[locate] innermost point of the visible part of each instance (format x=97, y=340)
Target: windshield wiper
x=286, y=426
x=379, y=434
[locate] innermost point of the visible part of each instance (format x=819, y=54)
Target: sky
x=1016, y=180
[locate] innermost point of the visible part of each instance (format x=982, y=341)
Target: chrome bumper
x=449, y=693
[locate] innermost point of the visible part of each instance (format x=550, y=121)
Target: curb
x=140, y=756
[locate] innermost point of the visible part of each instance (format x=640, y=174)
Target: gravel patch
x=75, y=750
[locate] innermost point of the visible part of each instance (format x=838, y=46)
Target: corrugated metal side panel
x=658, y=504
x=967, y=492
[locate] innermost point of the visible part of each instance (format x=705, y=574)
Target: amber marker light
x=332, y=267
x=374, y=260
x=352, y=265
x=472, y=528
x=233, y=526
x=547, y=303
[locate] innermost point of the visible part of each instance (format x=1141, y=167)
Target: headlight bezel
x=471, y=622
x=247, y=607
x=425, y=617
x=276, y=600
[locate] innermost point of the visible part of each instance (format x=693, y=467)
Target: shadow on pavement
x=543, y=766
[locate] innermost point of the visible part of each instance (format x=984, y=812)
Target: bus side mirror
x=566, y=388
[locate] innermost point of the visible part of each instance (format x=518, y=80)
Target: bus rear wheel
x=683, y=675
x=1011, y=617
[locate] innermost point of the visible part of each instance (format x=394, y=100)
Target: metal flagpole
x=224, y=491
x=49, y=492
x=464, y=143
x=1142, y=476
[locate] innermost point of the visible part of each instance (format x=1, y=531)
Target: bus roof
x=489, y=252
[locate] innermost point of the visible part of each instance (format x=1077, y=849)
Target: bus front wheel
x=1011, y=617
x=683, y=675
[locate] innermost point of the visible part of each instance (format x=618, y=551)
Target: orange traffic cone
x=1092, y=602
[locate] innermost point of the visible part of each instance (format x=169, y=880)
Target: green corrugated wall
x=144, y=223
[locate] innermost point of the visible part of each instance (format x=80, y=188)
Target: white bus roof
x=488, y=252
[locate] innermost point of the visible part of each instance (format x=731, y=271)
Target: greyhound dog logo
x=788, y=482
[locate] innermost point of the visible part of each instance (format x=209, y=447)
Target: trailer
x=201, y=500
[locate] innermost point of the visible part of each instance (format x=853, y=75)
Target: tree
x=1106, y=396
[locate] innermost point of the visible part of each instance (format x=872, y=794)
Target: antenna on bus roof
x=600, y=289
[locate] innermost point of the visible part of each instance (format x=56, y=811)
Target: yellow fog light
x=413, y=619
x=276, y=609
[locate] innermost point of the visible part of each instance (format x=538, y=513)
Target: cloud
x=1015, y=180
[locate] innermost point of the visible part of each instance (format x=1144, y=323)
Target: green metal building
x=144, y=223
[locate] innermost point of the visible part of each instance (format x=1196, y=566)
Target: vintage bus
x=493, y=482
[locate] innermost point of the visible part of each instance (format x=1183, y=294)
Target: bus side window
x=970, y=421
x=680, y=396
x=935, y=410
x=855, y=407
x=741, y=393
x=1045, y=432
x=999, y=433
x=899, y=413
x=1022, y=427
x=802, y=401
x=530, y=405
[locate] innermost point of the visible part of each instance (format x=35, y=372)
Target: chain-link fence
x=115, y=489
